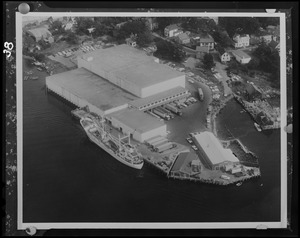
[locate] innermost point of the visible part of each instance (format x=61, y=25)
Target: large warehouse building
x=119, y=83
x=83, y=88
x=132, y=70
x=213, y=155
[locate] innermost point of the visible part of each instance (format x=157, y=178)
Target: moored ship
x=120, y=150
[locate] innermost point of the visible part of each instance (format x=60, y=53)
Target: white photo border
x=146, y=225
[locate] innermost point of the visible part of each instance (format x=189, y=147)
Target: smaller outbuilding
x=241, y=56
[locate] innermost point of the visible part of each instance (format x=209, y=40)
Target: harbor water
x=67, y=178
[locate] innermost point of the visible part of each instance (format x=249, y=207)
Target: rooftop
x=183, y=36
x=273, y=44
x=40, y=32
x=144, y=101
x=206, y=38
x=136, y=119
x=92, y=88
x=241, y=54
x=172, y=27
x=202, y=49
x=214, y=149
x=130, y=64
x=182, y=161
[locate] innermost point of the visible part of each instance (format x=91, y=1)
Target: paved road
x=221, y=70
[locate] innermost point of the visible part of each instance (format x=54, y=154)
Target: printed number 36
x=9, y=46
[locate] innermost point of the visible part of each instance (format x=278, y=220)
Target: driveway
x=221, y=69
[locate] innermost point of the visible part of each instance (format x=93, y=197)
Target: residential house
x=224, y=56
x=195, y=38
x=266, y=37
x=40, y=33
x=275, y=31
x=207, y=40
x=131, y=42
x=241, y=56
x=183, y=38
x=201, y=51
x=240, y=41
x=172, y=30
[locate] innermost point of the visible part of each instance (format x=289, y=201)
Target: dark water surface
x=67, y=178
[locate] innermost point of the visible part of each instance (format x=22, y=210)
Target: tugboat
x=120, y=150
x=258, y=128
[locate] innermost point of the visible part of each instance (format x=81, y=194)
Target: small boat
x=258, y=128
x=261, y=185
x=239, y=184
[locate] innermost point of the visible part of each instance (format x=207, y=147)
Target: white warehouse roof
x=214, y=149
x=129, y=64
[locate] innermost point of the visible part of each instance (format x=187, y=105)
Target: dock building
x=119, y=83
x=212, y=153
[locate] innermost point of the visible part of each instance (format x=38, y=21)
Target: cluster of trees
x=246, y=25
x=138, y=28
x=56, y=28
x=264, y=59
x=198, y=25
x=269, y=61
x=168, y=50
x=241, y=25
x=222, y=38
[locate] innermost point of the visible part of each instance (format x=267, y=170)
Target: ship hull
x=109, y=151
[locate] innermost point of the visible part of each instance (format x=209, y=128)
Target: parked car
x=189, y=140
x=194, y=147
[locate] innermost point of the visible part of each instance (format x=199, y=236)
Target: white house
x=241, y=56
x=172, y=30
x=224, y=56
x=240, y=41
x=207, y=40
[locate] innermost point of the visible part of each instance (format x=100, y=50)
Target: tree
x=241, y=25
x=44, y=45
x=71, y=38
x=168, y=50
x=83, y=23
x=221, y=38
x=253, y=64
x=208, y=61
x=39, y=57
x=144, y=39
x=100, y=29
x=56, y=28
x=163, y=22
